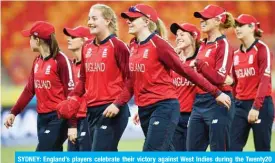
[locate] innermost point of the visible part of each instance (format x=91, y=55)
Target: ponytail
x=258, y=33
x=161, y=29
x=229, y=21
x=53, y=44
x=158, y=27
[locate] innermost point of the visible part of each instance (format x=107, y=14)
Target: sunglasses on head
x=134, y=9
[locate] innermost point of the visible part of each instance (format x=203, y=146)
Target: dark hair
x=198, y=44
x=53, y=44
x=259, y=32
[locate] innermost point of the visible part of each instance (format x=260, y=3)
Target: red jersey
x=214, y=62
x=186, y=90
x=150, y=81
x=51, y=80
x=104, y=68
x=252, y=73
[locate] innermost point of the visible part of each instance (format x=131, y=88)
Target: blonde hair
x=109, y=14
x=158, y=27
x=229, y=21
x=195, y=43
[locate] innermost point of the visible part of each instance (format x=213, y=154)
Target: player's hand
x=178, y=50
x=224, y=99
x=111, y=111
x=136, y=119
x=253, y=116
x=9, y=120
x=228, y=80
x=72, y=135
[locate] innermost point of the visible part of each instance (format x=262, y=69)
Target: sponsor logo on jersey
x=88, y=53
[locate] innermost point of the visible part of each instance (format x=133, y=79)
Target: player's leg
x=52, y=132
x=162, y=125
x=263, y=129
x=179, y=139
x=240, y=126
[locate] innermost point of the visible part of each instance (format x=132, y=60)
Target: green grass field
x=7, y=154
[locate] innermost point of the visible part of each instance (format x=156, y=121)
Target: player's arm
x=122, y=55
x=66, y=77
x=219, y=74
x=264, y=62
x=168, y=56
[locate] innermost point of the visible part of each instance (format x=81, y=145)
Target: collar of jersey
x=194, y=56
x=105, y=40
x=76, y=63
x=47, y=58
x=146, y=40
x=247, y=50
x=217, y=39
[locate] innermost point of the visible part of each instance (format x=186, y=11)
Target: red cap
x=140, y=10
x=40, y=29
x=79, y=31
x=248, y=19
x=211, y=11
x=192, y=29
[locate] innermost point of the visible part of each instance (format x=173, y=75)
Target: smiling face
x=136, y=25
x=96, y=22
x=183, y=39
x=75, y=43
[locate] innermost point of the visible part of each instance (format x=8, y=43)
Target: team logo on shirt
x=36, y=68
x=145, y=54
x=88, y=53
x=250, y=60
x=236, y=60
x=104, y=53
x=48, y=70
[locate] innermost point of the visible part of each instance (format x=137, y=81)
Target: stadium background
x=16, y=57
